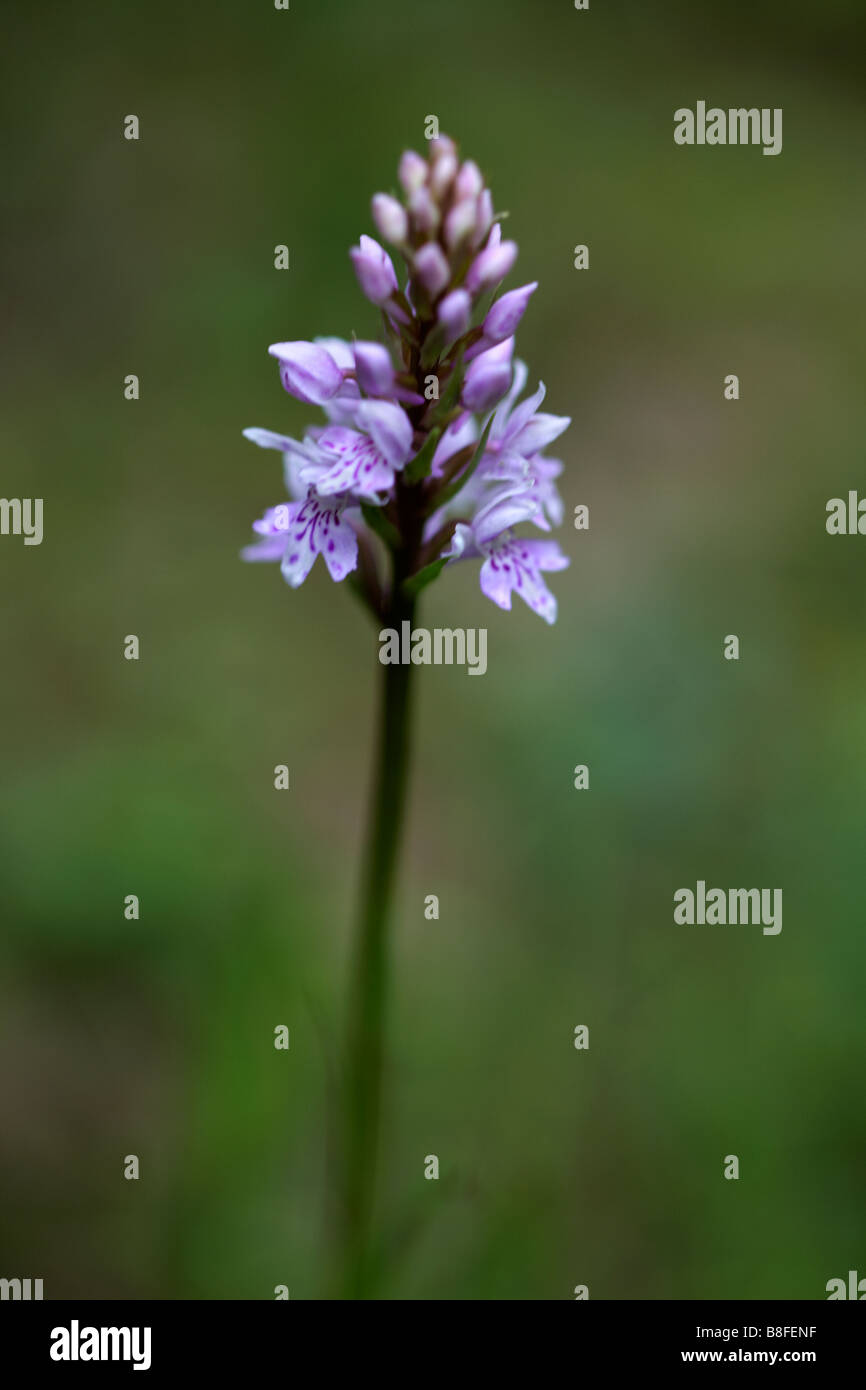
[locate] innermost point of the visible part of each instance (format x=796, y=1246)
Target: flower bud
x=425, y=214
x=440, y=147
x=340, y=350
x=483, y=216
x=374, y=369
x=374, y=270
x=504, y=316
x=412, y=171
x=307, y=371
x=491, y=265
x=390, y=218
x=442, y=175
x=488, y=377
x=432, y=268
x=460, y=222
x=469, y=181
x=454, y=313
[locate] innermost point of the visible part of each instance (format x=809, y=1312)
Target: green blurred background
x=155, y=1037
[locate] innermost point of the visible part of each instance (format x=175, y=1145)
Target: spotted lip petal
x=514, y=566
x=294, y=533
x=352, y=464
x=317, y=529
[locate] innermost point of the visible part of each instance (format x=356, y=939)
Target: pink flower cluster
x=427, y=449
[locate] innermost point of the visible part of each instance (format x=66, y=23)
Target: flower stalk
x=428, y=457
x=363, y=1069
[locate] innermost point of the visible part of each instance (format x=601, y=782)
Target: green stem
x=363, y=1070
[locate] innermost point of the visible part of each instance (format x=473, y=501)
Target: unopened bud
x=412, y=171
x=374, y=270
x=390, y=218
x=504, y=316
x=488, y=377
x=442, y=175
x=454, y=313
x=432, y=268
x=469, y=181
x=307, y=371
x=460, y=222
x=483, y=216
x=374, y=369
x=425, y=214
x=491, y=266
x=440, y=147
